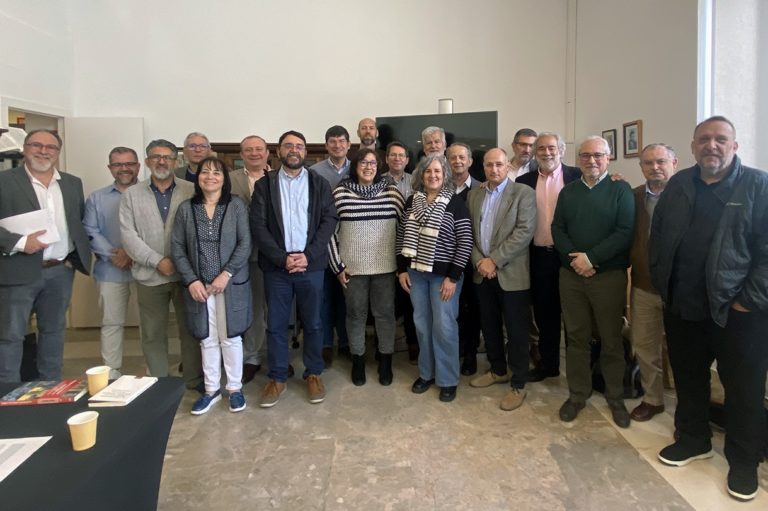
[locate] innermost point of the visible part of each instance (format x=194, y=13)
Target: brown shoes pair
x=274, y=389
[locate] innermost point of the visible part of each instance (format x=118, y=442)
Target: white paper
x=15, y=451
x=27, y=223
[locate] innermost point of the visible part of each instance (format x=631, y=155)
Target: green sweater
x=599, y=221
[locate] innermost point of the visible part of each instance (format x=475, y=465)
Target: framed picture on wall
x=610, y=136
x=633, y=138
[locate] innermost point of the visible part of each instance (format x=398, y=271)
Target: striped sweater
x=364, y=243
x=454, y=240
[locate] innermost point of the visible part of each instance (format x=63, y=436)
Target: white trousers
x=217, y=346
x=113, y=300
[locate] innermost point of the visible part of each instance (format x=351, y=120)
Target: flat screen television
x=477, y=129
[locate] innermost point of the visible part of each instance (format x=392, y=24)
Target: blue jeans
x=436, y=328
x=280, y=289
x=333, y=311
x=48, y=297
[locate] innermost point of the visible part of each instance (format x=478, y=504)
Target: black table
x=121, y=472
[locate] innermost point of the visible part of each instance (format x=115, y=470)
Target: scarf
x=422, y=228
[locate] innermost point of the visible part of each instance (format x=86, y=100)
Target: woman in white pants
x=210, y=246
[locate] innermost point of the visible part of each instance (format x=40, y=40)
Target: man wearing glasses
x=37, y=268
x=112, y=270
x=147, y=211
x=196, y=149
x=592, y=231
x=292, y=220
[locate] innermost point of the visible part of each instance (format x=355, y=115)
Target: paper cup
x=98, y=378
x=82, y=429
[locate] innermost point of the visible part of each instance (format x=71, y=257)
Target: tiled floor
x=374, y=447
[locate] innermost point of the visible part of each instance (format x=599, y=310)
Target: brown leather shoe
x=249, y=372
x=645, y=412
x=271, y=394
x=315, y=389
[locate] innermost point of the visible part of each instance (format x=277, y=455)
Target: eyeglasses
x=161, y=157
x=371, y=164
x=48, y=147
x=195, y=147
x=291, y=147
x=589, y=156
x=398, y=156
x=125, y=165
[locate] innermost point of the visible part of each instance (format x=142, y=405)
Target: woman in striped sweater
x=362, y=256
x=433, y=245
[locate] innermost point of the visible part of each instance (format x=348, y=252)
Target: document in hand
x=27, y=223
x=122, y=391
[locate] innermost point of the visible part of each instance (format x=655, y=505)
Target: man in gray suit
x=503, y=221
x=36, y=272
x=196, y=148
x=147, y=210
x=255, y=155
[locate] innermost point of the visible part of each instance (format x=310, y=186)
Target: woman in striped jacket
x=362, y=255
x=433, y=245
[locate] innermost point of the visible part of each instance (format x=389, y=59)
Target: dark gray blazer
x=16, y=197
x=234, y=249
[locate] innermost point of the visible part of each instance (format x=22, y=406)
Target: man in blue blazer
x=36, y=272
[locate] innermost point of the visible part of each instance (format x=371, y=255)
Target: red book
x=45, y=392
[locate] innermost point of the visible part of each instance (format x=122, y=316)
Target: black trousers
x=741, y=352
x=513, y=308
x=469, y=318
x=404, y=307
x=545, y=296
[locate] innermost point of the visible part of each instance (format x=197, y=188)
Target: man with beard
x=658, y=163
x=550, y=179
x=292, y=220
x=112, y=270
x=147, y=211
x=255, y=155
x=460, y=159
x=709, y=261
x=522, y=148
x=433, y=140
x=592, y=232
x=36, y=271
x=196, y=149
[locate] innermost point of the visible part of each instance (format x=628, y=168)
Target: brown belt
x=50, y=263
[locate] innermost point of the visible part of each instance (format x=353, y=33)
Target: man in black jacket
x=709, y=260
x=292, y=220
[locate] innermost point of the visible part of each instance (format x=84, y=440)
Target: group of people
x=234, y=250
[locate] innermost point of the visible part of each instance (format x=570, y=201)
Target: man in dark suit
x=551, y=177
x=37, y=269
x=503, y=220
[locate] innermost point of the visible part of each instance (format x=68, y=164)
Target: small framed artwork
x=633, y=138
x=610, y=136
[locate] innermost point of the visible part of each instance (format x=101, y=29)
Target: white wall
x=37, y=63
x=740, y=68
x=637, y=60
x=229, y=68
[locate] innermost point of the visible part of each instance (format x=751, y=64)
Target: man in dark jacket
x=292, y=221
x=709, y=261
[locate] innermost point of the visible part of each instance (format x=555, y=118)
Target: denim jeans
x=333, y=311
x=281, y=288
x=436, y=328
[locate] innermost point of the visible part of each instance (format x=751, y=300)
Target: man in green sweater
x=592, y=230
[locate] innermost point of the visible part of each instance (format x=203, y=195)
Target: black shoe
x=200, y=387
x=385, y=369
x=413, y=353
x=570, y=410
x=681, y=453
x=291, y=372
x=421, y=385
x=742, y=482
x=538, y=374
x=447, y=394
x=620, y=414
x=358, y=370
x=343, y=351
x=469, y=366
x=249, y=372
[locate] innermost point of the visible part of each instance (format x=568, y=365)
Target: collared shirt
x=488, y=215
x=102, y=223
x=466, y=184
x=163, y=198
x=252, y=180
x=599, y=179
x=331, y=172
x=519, y=171
x=404, y=185
x=294, y=205
x=548, y=187
x=51, y=199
